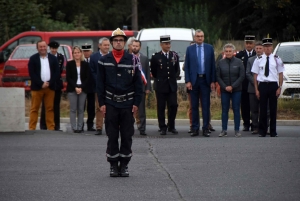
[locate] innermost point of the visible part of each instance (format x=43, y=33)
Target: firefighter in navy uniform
x=165, y=69
x=245, y=102
x=119, y=91
x=58, y=87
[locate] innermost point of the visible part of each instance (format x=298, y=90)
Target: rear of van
x=180, y=40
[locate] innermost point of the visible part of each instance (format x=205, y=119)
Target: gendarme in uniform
x=268, y=77
x=119, y=91
x=165, y=69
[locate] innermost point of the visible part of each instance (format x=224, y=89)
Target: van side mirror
x=1, y=57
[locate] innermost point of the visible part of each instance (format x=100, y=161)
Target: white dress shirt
x=45, y=69
x=78, y=75
x=275, y=67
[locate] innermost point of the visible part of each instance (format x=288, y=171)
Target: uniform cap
x=86, y=47
x=267, y=41
x=165, y=39
x=249, y=38
x=118, y=32
x=53, y=44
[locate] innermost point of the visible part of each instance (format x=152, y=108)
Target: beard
x=135, y=51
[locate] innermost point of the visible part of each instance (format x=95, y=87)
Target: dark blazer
x=191, y=64
x=165, y=71
x=71, y=75
x=34, y=69
x=249, y=75
x=243, y=55
x=146, y=70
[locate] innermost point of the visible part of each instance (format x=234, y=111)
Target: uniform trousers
x=169, y=100
x=77, y=102
x=200, y=89
x=245, y=108
x=267, y=92
x=36, y=99
x=254, y=107
x=56, y=109
x=99, y=115
x=119, y=121
x=141, y=114
x=90, y=107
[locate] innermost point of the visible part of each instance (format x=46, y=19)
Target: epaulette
x=276, y=56
x=174, y=52
x=259, y=57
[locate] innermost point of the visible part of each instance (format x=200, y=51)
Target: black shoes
x=194, y=133
x=142, y=133
x=163, y=132
x=123, y=171
x=91, y=129
x=99, y=132
x=205, y=133
x=78, y=131
x=174, y=131
x=116, y=171
x=246, y=128
x=210, y=128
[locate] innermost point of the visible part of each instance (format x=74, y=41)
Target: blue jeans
x=236, y=102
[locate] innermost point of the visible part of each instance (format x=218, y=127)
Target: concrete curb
x=183, y=122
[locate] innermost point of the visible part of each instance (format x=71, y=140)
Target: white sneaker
x=223, y=134
x=237, y=134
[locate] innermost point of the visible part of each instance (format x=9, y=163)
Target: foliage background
x=222, y=19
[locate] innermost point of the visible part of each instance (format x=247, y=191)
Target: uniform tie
x=166, y=55
x=250, y=54
x=267, y=68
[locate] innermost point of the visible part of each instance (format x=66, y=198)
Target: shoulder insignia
x=259, y=57
x=276, y=56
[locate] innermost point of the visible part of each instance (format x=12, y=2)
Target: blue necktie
x=199, y=60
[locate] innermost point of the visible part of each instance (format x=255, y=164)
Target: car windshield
x=289, y=54
x=150, y=47
x=24, y=52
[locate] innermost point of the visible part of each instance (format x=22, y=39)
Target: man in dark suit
x=165, y=68
x=200, y=78
x=145, y=71
x=245, y=104
x=91, y=90
x=254, y=102
x=103, y=46
x=58, y=87
x=43, y=70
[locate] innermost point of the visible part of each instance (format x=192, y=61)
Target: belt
x=119, y=98
x=201, y=75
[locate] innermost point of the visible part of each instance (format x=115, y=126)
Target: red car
x=15, y=72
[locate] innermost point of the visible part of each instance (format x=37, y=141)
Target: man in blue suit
x=200, y=78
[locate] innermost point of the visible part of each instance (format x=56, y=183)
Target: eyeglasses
x=116, y=40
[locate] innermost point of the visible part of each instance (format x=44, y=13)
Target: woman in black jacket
x=230, y=75
x=77, y=75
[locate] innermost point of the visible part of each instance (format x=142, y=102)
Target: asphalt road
x=47, y=165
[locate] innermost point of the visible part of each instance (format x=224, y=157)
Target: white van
x=180, y=40
x=289, y=52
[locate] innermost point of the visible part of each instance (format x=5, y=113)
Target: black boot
x=114, y=169
x=124, y=170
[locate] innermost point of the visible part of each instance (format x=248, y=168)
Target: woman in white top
x=77, y=75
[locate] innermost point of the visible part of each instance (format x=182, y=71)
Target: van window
x=150, y=47
x=289, y=54
x=29, y=40
x=77, y=41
